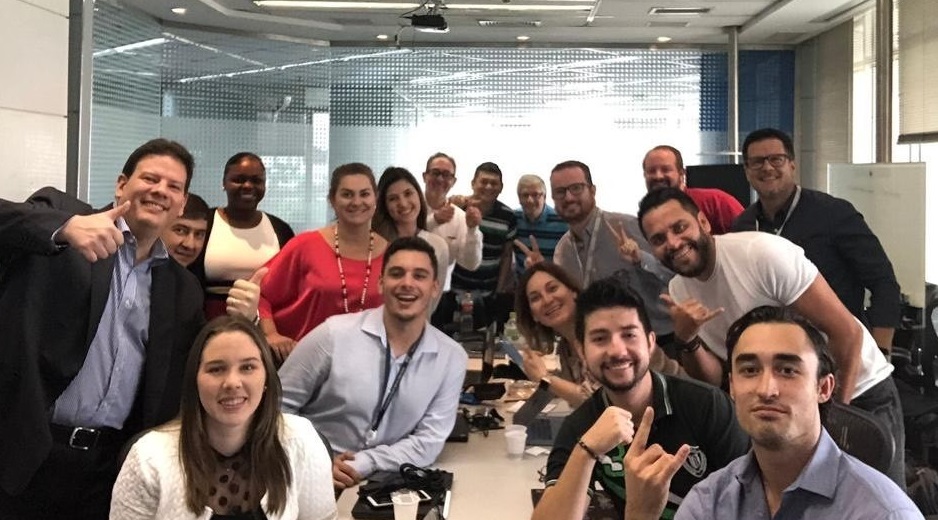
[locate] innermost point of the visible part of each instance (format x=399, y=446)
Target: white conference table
x=486, y=483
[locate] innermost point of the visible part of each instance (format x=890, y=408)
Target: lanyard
x=384, y=401
x=794, y=202
x=590, y=250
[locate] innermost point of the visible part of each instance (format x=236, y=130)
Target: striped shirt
x=499, y=226
x=547, y=230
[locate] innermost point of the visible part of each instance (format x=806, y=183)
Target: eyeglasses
x=536, y=195
x=574, y=189
x=758, y=163
x=442, y=174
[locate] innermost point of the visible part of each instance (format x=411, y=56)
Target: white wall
x=34, y=58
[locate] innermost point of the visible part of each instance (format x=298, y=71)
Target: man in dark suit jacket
x=96, y=325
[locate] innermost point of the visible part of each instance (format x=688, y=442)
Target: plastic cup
x=405, y=504
x=515, y=441
x=516, y=428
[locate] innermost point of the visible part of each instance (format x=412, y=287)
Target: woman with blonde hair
x=230, y=454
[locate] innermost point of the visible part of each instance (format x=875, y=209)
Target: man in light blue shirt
x=381, y=385
x=781, y=373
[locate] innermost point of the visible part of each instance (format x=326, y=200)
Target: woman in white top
x=401, y=211
x=231, y=454
x=240, y=238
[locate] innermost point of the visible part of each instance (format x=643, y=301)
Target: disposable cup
x=405, y=504
x=516, y=428
x=515, y=441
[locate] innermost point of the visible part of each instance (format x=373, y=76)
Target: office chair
x=860, y=434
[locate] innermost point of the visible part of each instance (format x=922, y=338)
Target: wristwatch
x=545, y=382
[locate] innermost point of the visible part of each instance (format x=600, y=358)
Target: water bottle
x=511, y=330
x=465, y=313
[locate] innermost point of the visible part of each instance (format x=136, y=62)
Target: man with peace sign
x=97, y=323
x=686, y=429
x=539, y=226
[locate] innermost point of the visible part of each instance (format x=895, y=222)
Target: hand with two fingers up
x=533, y=254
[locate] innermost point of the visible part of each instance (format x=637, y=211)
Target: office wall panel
x=56, y=6
x=34, y=58
x=33, y=151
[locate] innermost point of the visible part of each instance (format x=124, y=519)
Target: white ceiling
x=616, y=22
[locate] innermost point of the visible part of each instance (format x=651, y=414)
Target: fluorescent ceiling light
x=397, y=6
x=382, y=36
x=179, y=10
x=664, y=39
x=129, y=47
x=522, y=38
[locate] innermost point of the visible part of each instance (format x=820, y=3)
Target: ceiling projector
x=429, y=22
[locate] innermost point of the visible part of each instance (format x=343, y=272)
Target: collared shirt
x=334, y=377
x=588, y=258
x=103, y=392
x=833, y=485
x=838, y=240
x=547, y=229
x=686, y=412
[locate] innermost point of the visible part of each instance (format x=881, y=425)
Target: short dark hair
x=782, y=315
x=678, y=158
x=161, y=146
x=488, y=167
x=769, y=133
x=345, y=170
x=382, y=221
x=238, y=157
x=575, y=164
x=656, y=198
x=604, y=294
x=196, y=208
x=438, y=155
x=410, y=244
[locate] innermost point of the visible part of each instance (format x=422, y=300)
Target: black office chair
x=860, y=434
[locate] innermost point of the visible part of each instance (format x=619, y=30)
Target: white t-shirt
x=754, y=269
x=234, y=253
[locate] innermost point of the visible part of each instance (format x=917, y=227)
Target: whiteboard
x=891, y=198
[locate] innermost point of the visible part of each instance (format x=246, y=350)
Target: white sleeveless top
x=233, y=253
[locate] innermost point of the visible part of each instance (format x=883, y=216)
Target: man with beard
x=693, y=421
x=832, y=232
x=663, y=167
x=721, y=278
x=601, y=244
x=781, y=375
x=381, y=385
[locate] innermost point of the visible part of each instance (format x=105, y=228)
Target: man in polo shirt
x=692, y=420
x=382, y=385
x=492, y=282
x=781, y=375
x=663, y=167
x=539, y=226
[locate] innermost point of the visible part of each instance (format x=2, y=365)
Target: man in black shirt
x=693, y=429
x=831, y=231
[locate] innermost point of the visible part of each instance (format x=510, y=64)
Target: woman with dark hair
x=402, y=212
x=239, y=238
x=332, y=270
x=545, y=304
x=230, y=454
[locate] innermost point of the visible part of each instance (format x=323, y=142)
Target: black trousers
x=70, y=484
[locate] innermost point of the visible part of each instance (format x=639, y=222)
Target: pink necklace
x=338, y=260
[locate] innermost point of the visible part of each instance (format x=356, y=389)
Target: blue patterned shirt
x=547, y=229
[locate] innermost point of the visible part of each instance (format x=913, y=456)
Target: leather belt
x=81, y=438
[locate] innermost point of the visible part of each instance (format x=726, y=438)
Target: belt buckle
x=76, y=438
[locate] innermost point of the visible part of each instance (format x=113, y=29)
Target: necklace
x=338, y=260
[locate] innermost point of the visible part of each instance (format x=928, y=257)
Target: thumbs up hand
x=244, y=295
x=95, y=236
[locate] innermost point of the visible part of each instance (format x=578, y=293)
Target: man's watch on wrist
x=688, y=347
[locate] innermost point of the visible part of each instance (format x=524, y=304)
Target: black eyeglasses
x=574, y=189
x=758, y=163
x=442, y=174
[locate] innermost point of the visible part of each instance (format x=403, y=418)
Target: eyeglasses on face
x=575, y=189
x=536, y=195
x=758, y=163
x=442, y=174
